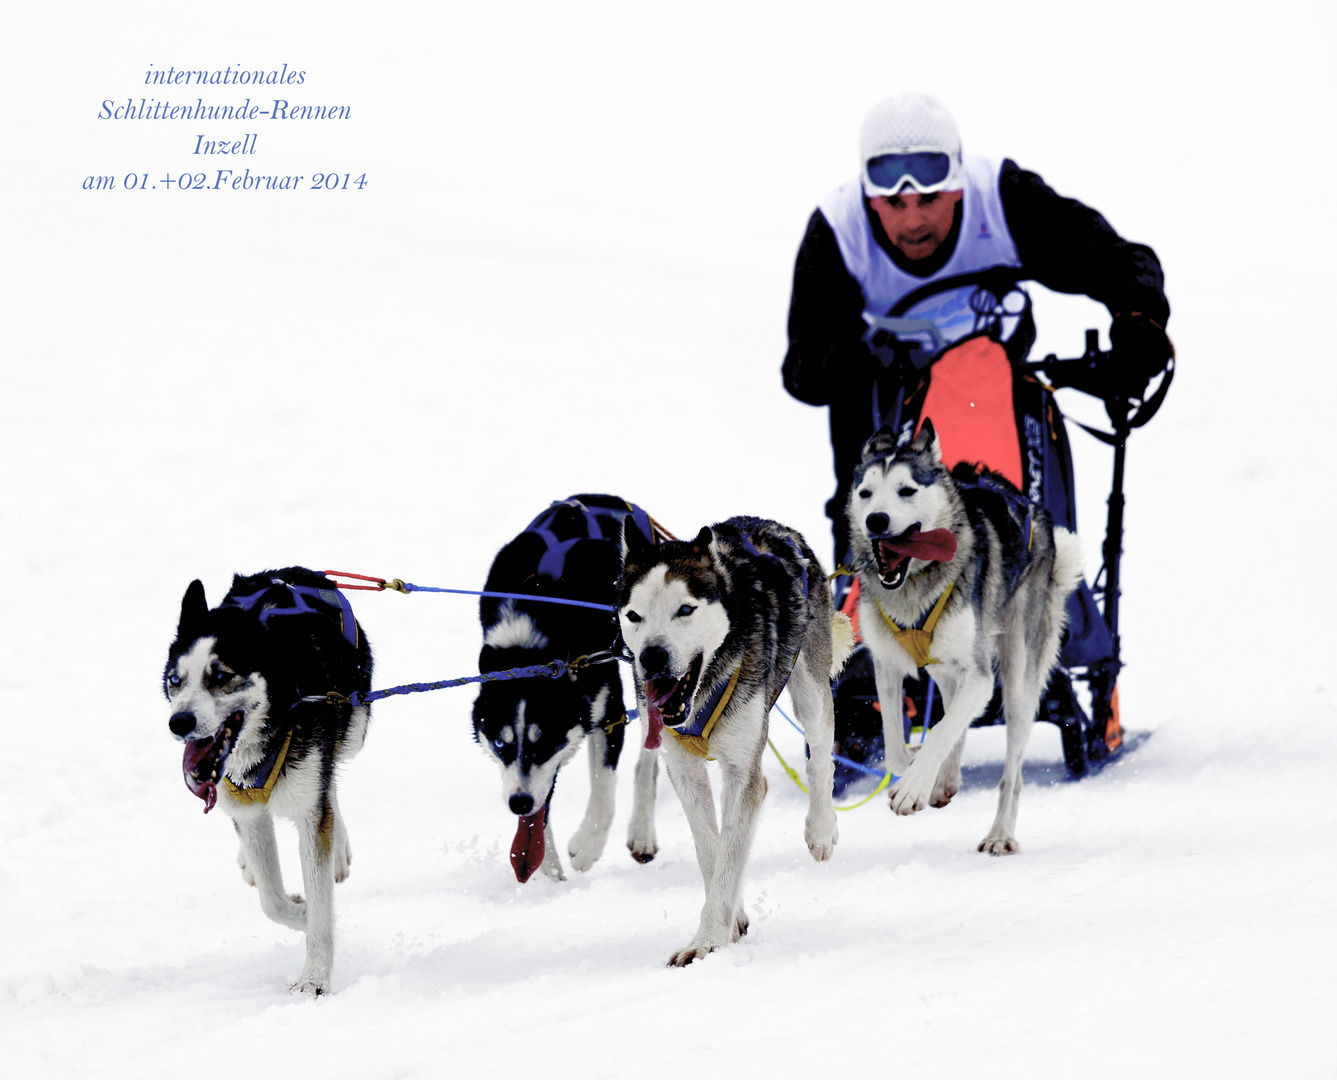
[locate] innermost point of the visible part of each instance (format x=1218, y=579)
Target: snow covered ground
x=569, y=271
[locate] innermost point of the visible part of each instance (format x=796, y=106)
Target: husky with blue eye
x=716, y=627
x=247, y=682
x=962, y=577
x=531, y=727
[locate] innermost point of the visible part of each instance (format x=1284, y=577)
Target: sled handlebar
x=1095, y=373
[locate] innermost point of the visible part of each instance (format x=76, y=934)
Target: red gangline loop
x=378, y=587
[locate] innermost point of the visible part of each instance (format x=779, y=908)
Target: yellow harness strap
x=919, y=641
x=261, y=794
x=700, y=744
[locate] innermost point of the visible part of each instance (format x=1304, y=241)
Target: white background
x=569, y=271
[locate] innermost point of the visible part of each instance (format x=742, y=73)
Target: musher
x=920, y=213
x=905, y=306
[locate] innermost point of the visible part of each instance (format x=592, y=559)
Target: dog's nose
x=877, y=524
x=522, y=805
x=654, y=660
x=182, y=724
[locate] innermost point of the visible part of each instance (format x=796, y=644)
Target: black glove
x=1141, y=352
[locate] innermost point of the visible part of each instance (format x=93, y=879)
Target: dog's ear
x=881, y=444
x=927, y=440
x=194, y=609
x=633, y=544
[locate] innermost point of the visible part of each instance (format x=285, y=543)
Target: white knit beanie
x=906, y=124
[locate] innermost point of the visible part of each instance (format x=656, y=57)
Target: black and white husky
x=247, y=684
x=716, y=626
x=532, y=726
x=961, y=576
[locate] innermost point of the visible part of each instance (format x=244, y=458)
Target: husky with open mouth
x=716, y=627
x=532, y=726
x=962, y=577
x=247, y=682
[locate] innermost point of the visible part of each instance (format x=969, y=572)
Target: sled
x=974, y=332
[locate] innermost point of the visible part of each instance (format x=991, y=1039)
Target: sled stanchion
x=1114, y=540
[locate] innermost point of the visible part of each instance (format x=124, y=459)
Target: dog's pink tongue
x=527, y=848
x=939, y=545
x=205, y=788
x=655, y=697
x=654, y=730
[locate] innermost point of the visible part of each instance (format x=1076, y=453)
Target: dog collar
x=261, y=785
x=918, y=640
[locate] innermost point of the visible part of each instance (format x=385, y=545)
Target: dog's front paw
x=586, y=847
x=909, y=794
x=740, y=925
x=695, y=951
x=642, y=843
x=945, y=788
x=642, y=849
x=949, y=780
x=246, y=874
x=314, y=983
x=821, y=832
x=999, y=844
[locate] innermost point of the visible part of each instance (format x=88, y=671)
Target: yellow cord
x=886, y=779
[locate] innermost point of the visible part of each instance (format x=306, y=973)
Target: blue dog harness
x=1019, y=534
x=752, y=549
x=601, y=523
x=303, y=600
x=330, y=604
x=260, y=784
x=694, y=735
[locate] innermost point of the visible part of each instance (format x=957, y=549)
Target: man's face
x=916, y=223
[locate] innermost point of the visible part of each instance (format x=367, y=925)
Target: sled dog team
x=955, y=571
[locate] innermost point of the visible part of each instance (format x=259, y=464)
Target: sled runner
x=957, y=351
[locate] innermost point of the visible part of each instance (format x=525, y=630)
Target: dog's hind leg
x=315, y=841
x=588, y=842
x=813, y=705
x=260, y=857
x=641, y=839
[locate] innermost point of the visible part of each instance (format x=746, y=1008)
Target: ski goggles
x=926, y=171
